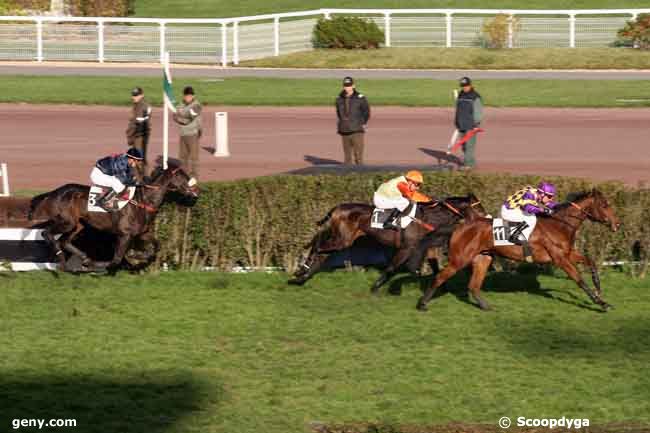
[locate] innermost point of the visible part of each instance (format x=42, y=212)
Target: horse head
x=468, y=207
x=175, y=179
x=593, y=205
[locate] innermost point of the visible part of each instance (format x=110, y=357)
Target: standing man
x=139, y=129
x=188, y=116
x=469, y=112
x=353, y=113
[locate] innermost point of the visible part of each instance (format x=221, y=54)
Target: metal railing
x=229, y=40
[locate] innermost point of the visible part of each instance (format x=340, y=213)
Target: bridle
x=587, y=214
x=146, y=206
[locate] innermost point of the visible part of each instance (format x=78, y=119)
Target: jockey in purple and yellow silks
x=523, y=207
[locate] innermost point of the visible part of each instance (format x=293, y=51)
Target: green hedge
x=347, y=32
x=101, y=8
x=266, y=221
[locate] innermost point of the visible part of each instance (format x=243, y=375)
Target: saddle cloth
x=96, y=191
x=380, y=216
x=501, y=231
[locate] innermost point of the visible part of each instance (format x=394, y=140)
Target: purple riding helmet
x=546, y=188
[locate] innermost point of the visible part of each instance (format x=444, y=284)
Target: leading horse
x=65, y=211
x=552, y=242
x=345, y=223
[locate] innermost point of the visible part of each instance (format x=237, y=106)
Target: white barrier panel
x=221, y=135
x=5, y=180
x=24, y=250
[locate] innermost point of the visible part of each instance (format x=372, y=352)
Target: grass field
x=224, y=8
x=208, y=353
x=463, y=58
x=293, y=92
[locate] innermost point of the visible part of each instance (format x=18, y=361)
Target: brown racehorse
x=551, y=242
x=65, y=211
x=347, y=222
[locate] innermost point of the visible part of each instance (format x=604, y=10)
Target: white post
x=387, y=29
x=448, y=42
x=276, y=36
x=100, y=41
x=224, y=44
x=163, y=53
x=165, y=114
x=235, y=43
x=221, y=135
x=572, y=31
x=5, y=180
x=39, y=40
x=510, y=31
x=328, y=16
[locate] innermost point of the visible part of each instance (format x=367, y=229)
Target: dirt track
x=46, y=146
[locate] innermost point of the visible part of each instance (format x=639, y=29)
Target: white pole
x=387, y=29
x=572, y=31
x=221, y=135
x=165, y=117
x=276, y=36
x=235, y=43
x=162, y=43
x=448, y=31
x=510, y=31
x=5, y=180
x=100, y=41
x=39, y=40
x=224, y=44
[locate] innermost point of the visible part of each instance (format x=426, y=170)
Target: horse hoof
x=297, y=281
x=607, y=307
x=421, y=306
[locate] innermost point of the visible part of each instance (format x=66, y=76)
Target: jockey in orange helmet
x=399, y=194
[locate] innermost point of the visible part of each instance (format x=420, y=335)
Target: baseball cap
x=136, y=91
x=188, y=90
x=465, y=81
x=348, y=81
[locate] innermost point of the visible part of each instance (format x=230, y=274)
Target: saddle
x=96, y=191
x=503, y=230
x=381, y=216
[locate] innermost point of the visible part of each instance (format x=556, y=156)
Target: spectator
x=188, y=116
x=139, y=129
x=353, y=113
x=469, y=111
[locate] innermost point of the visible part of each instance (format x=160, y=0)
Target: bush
x=636, y=33
x=267, y=221
x=347, y=32
x=32, y=5
x=496, y=31
x=100, y=8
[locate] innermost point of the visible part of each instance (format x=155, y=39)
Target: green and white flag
x=168, y=92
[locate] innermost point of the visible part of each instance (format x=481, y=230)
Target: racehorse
x=551, y=242
x=345, y=223
x=65, y=211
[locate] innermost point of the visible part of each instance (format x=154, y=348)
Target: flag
x=168, y=92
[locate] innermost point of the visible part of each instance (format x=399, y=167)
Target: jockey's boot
x=106, y=199
x=518, y=238
x=391, y=221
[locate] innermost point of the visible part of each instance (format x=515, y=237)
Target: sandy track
x=47, y=145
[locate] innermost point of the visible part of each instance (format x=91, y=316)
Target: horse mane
x=572, y=198
x=172, y=163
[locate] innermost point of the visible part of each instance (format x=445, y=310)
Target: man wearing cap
x=139, y=129
x=188, y=116
x=469, y=112
x=353, y=113
x=116, y=172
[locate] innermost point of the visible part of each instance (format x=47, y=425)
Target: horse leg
x=308, y=269
x=480, y=266
x=576, y=257
x=66, y=242
x=448, y=272
x=398, y=259
x=121, y=246
x=565, y=264
x=48, y=234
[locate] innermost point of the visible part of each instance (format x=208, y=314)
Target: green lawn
x=225, y=8
x=294, y=92
x=462, y=58
x=209, y=353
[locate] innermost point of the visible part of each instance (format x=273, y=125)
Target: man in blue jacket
x=116, y=172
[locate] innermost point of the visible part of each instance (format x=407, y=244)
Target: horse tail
x=35, y=202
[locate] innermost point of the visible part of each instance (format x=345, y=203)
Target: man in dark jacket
x=469, y=112
x=139, y=129
x=353, y=113
x=116, y=172
x=188, y=117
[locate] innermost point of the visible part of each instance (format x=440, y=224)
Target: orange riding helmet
x=415, y=176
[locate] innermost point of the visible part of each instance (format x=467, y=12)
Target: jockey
x=399, y=194
x=523, y=207
x=116, y=172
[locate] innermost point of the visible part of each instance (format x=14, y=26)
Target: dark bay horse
x=347, y=222
x=552, y=241
x=65, y=212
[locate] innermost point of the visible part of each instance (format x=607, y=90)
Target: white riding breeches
x=517, y=215
x=390, y=203
x=99, y=178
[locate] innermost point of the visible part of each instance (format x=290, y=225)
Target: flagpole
x=166, y=116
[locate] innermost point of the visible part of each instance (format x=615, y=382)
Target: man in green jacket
x=469, y=113
x=188, y=116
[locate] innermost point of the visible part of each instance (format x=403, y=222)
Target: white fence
x=229, y=40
